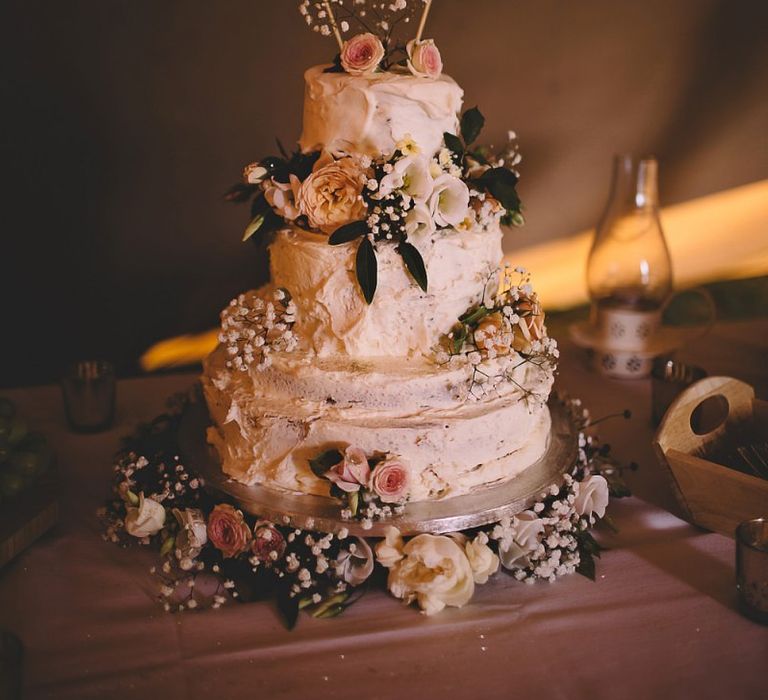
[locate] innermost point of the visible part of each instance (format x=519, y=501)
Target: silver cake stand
x=323, y=513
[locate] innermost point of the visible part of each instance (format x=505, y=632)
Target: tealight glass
x=752, y=568
x=89, y=395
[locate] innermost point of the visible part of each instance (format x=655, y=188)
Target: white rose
x=591, y=496
x=449, y=201
x=435, y=572
x=355, y=566
x=282, y=197
x=193, y=532
x=483, y=561
x=526, y=529
x=145, y=520
x=419, y=224
x=390, y=550
x=409, y=175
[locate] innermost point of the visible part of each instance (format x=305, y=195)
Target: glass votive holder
x=669, y=378
x=89, y=395
x=752, y=568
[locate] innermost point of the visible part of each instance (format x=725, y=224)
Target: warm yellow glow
x=179, y=351
x=721, y=236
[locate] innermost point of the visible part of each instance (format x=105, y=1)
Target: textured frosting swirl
x=369, y=114
x=267, y=425
x=402, y=321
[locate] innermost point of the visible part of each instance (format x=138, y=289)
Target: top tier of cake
x=369, y=114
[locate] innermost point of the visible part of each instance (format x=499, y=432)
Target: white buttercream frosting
x=370, y=113
x=267, y=425
x=332, y=316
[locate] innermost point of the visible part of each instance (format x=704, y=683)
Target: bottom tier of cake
x=267, y=425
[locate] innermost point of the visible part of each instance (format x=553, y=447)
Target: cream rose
x=146, y=519
x=282, y=197
x=332, y=195
x=424, y=58
x=362, y=54
x=390, y=550
x=591, y=496
x=434, y=571
x=449, y=201
x=483, y=561
x=526, y=529
x=354, y=563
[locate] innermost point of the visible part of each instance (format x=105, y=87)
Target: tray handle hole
x=710, y=414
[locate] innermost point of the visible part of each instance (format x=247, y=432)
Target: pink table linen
x=659, y=621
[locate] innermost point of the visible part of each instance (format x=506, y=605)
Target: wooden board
x=27, y=517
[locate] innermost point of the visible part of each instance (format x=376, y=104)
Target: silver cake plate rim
x=323, y=514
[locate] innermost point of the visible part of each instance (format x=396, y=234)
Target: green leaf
x=332, y=602
x=288, y=607
x=459, y=337
x=324, y=461
x=254, y=225
x=348, y=232
x=259, y=206
x=589, y=544
x=501, y=183
x=167, y=546
x=414, y=262
x=365, y=267
x=353, y=500
x=453, y=144
x=586, y=565
x=473, y=316
x=472, y=123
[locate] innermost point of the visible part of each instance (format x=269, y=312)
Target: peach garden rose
x=389, y=481
x=424, y=58
x=228, y=531
x=332, y=194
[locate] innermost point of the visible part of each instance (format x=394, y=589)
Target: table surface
x=659, y=621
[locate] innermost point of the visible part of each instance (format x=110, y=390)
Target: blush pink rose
x=362, y=54
x=389, y=481
x=352, y=472
x=268, y=543
x=228, y=531
x=424, y=58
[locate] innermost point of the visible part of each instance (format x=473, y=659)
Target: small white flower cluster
x=372, y=509
x=346, y=12
x=254, y=325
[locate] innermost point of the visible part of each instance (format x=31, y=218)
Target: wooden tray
x=712, y=495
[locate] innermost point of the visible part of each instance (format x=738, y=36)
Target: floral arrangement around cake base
x=212, y=553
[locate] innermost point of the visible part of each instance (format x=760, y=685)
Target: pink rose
x=228, y=531
x=268, y=543
x=362, y=54
x=352, y=472
x=424, y=58
x=389, y=480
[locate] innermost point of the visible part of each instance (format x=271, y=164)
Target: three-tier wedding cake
x=391, y=354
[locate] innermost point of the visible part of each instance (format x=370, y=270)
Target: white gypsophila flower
x=591, y=496
x=449, y=201
x=146, y=519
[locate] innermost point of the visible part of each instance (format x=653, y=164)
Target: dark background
x=123, y=121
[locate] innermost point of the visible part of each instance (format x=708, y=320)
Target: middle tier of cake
x=268, y=424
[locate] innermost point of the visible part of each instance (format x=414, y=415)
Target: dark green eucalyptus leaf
x=586, y=565
x=288, y=607
x=353, y=502
x=501, y=183
x=366, y=269
x=324, y=461
x=348, y=232
x=414, y=262
x=259, y=205
x=301, y=164
x=276, y=167
x=472, y=123
x=453, y=144
x=589, y=544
